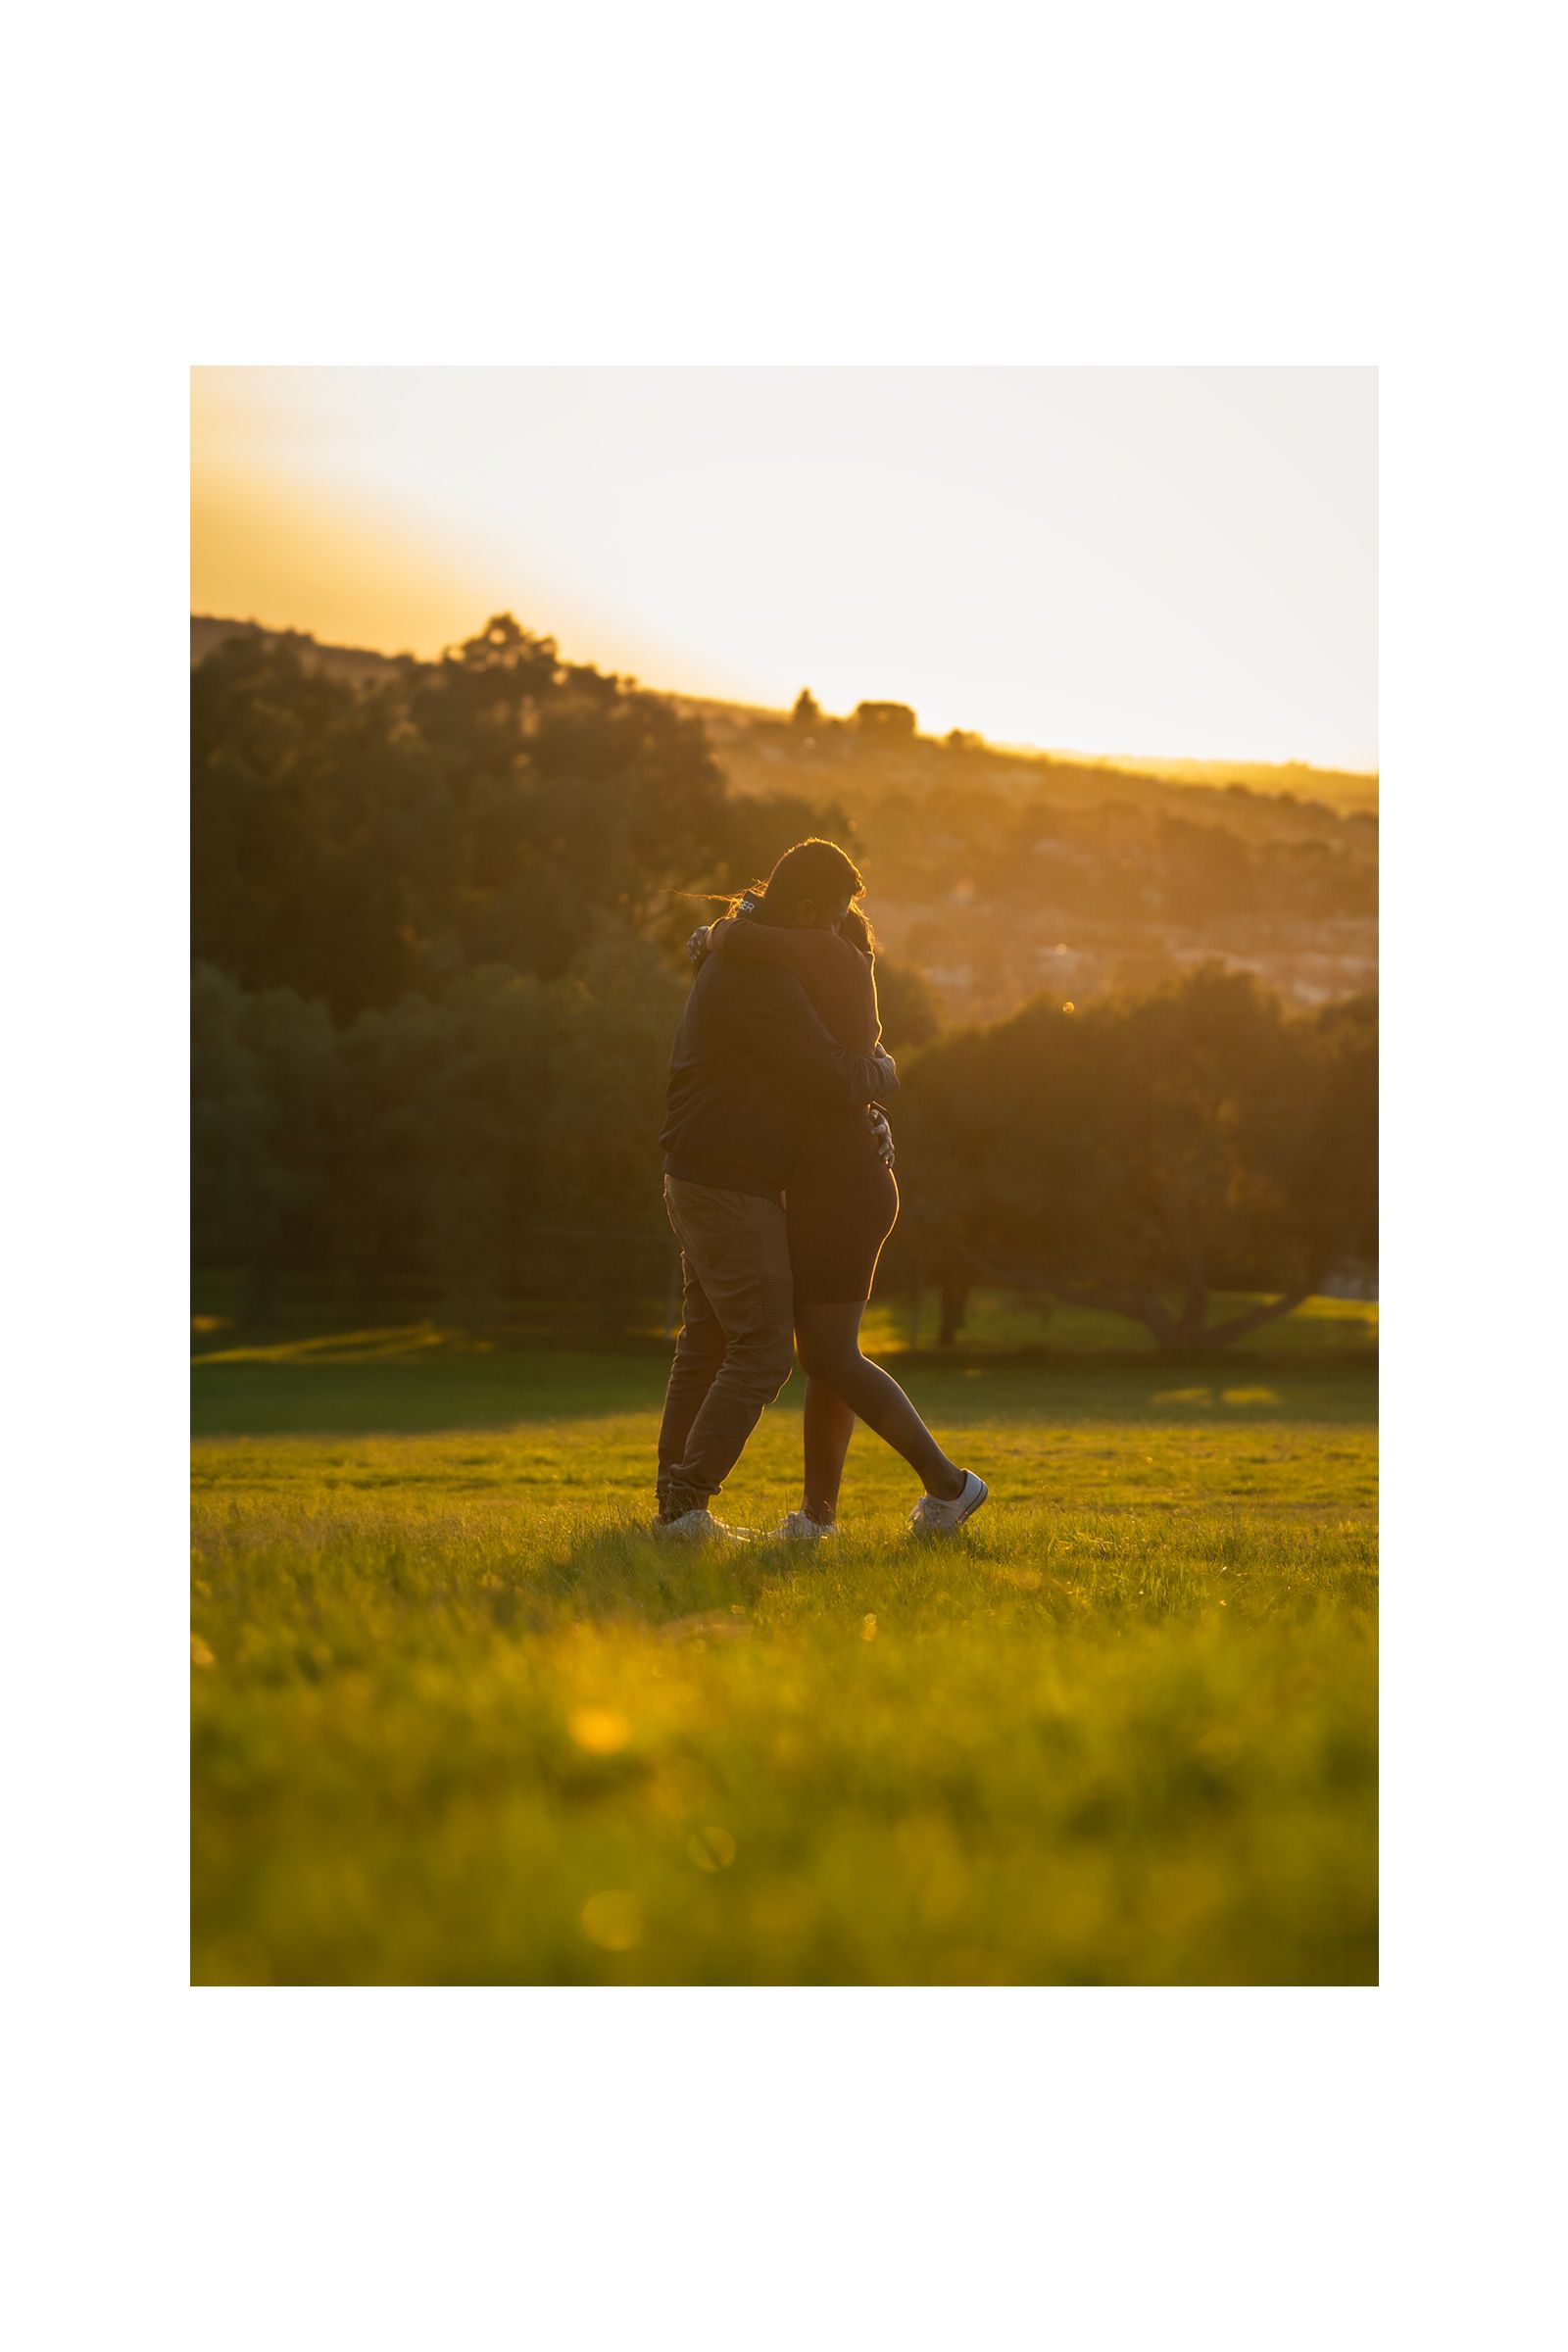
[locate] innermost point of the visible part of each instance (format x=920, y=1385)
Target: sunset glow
x=1147, y=562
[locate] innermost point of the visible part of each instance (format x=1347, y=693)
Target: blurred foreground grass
x=456, y=1720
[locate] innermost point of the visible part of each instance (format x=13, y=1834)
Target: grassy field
x=457, y=1720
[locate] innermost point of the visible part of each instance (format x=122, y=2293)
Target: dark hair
x=856, y=929
x=813, y=870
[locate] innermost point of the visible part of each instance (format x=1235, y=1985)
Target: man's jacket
x=750, y=1063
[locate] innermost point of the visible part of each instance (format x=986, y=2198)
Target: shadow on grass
x=414, y=1380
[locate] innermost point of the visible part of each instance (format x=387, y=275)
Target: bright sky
x=1174, y=561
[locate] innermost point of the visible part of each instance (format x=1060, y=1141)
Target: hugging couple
x=778, y=1177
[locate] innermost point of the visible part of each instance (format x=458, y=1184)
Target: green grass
x=456, y=1720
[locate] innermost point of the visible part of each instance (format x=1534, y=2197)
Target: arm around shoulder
x=783, y=1026
x=809, y=955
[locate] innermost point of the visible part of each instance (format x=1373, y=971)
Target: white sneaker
x=798, y=1528
x=700, y=1527
x=931, y=1516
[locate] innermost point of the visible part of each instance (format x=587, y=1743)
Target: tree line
x=1145, y=1153
x=494, y=1145
x=355, y=841
x=437, y=920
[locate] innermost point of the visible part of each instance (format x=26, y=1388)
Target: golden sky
x=1175, y=562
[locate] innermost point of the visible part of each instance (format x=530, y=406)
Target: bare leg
x=828, y=1342
x=829, y=1427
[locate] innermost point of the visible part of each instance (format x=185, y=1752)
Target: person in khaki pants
x=736, y=1344
x=750, y=1062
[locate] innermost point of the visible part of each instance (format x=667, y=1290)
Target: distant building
x=885, y=722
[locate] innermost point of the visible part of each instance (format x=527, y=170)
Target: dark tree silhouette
x=1143, y=1153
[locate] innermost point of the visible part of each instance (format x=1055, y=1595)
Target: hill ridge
x=1343, y=791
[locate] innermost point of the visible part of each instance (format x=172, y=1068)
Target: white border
x=1125, y=185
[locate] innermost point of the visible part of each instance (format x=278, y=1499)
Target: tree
x=262, y=1071
x=492, y=1143
x=355, y=841
x=1204, y=871
x=756, y=831
x=807, y=711
x=1150, y=1150
x=617, y=1012
x=907, y=1004
x=318, y=848
x=1341, y=1179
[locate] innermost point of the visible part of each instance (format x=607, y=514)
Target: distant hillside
x=1346, y=788
x=337, y=660
x=765, y=752
x=996, y=873
x=753, y=743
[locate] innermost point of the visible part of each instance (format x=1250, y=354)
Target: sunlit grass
x=459, y=1720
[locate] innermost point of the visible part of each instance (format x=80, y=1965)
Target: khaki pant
x=736, y=1344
